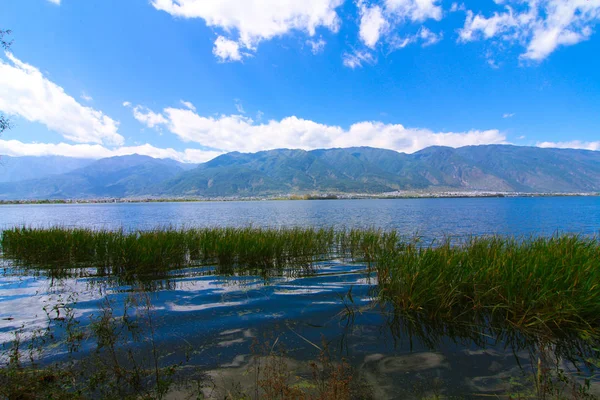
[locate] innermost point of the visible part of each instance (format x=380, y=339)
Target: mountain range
x=365, y=170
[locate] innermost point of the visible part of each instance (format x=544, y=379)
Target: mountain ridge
x=365, y=170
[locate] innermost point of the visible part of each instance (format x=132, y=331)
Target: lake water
x=428, y=217
x=221, y=317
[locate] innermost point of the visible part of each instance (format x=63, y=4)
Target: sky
x=192, y=79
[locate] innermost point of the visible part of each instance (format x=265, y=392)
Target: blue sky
x=190, y=79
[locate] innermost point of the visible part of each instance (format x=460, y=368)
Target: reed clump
x=539, y=285
x=230, y=250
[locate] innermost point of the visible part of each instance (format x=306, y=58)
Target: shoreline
x=353, y=196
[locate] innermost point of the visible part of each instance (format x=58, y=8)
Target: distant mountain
x=109, y=177
x=14, y=169
x=368, y=170
x=499, y=168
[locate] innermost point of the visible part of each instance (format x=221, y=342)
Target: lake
x=221, y=318
x=432, y=218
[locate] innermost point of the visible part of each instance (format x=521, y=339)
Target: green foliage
x=3, y=42
x=4, y=122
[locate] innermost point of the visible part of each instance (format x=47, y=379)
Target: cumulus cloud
x=575, y=144
x=356, y=59
x=541, y=26
x=248, y=22
x=372, y=24
x=95, y=151
x=26, y=92
x=227, y=50
x=241, y=133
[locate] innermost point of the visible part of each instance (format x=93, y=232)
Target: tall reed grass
x=230, y=250
x=536, y=284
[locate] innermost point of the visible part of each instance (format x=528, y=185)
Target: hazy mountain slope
x=110, y=177
x=545, y=170
x=14, y=169
x=351, y=170
x=444, y=166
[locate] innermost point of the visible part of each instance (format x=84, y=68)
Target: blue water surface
x=221, y=317
x=431, y=218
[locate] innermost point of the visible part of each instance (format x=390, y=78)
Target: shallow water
x=221, y=317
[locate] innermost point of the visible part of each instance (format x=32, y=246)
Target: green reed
x=230, y=250
x=536, y=284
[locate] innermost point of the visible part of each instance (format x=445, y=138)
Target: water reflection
x=214, y=323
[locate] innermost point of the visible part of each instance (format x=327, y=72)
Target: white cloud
x=148, y=117
x=458, y=7
x=424, y=36
x=240, y=133
x=239, y=107
x=508, y=115
x=57, y=2
x=491, y=60
x=126, y=104
x=188, y=105
x=227, y=50
x=357, y=59
x=24, y=91
x=17, y=149
x=372, y=24
x=575, y=144
x=248, y=22
x=86, y=97
x=541, y=26
x=316, y=46
x=427, y=37
x=383, y=21
x=415, y=10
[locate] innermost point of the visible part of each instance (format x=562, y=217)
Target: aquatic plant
x=542, y=285
x=152, y=252
x=537, y=284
